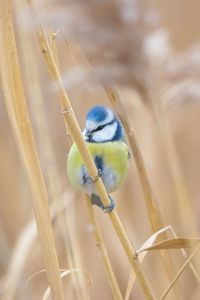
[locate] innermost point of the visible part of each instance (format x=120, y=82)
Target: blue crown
x=97, y=113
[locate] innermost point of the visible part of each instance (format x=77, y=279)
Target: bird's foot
x=110, y=207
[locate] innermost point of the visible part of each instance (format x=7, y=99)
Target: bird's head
x=102, y=126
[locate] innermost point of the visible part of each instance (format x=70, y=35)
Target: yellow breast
x=115, y=164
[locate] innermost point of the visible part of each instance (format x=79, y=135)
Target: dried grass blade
x=176, y=243
x=151, y=240
x=68, y=272
x=195, y=272
x=37, y=105
x=63, y=274
x=19, y=118
x=132, y=277
x=141, y=257
x=100, y=243
x=154, y=214
x=180, y=272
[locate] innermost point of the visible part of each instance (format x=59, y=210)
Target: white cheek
x=105, y=134
x=83, y=133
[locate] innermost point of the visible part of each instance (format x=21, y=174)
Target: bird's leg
x=86, y=179
x=99, y=173
x=109, y=208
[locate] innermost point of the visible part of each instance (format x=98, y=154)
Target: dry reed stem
x=100, y=243
x=181, y=190
x=25, y=242
x=19, y=118
x=177, y=174
x=53, y=178
x=45, y=41
x=152, y=206
x=154, y=214
x=141, y=257
x=179, y=181
x=68, y=223
x=195, y=272
x=187, y=262
x=5, y=250
x=170, y=150
x=64, y=223
x=18, y=258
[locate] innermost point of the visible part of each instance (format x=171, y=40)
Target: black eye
x=100, y=127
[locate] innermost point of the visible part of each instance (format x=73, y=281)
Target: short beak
x=88, y=133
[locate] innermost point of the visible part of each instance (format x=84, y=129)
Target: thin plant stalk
x=45, y=41
x=187, y=262
x=185, y=212
x=154, y=214
x=19, y=118
x=177, y=174
x=68, y=222
x=52, y=174
x=100, y=243
x=20, y=255
x=179, y=181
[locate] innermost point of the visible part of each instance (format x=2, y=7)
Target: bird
x=105, y=138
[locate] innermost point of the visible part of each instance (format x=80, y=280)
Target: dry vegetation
x=57, y=59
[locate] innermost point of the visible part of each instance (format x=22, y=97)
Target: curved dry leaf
x=176, y=277
x=150, y=242
x=21, y=251
x=176, y=243
x=149, y=245
x=65, y=273
x=35, y=275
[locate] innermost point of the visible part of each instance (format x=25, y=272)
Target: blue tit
x=104, y=136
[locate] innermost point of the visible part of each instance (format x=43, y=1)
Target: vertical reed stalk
x=19, y=118
x=45, y=41
x=178, y=178
x=68, y=223
x=176, y=277
x=154, y=214
x=100, y=243
x=52, y=174
x=155, y=97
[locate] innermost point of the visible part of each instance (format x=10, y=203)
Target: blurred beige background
x=176, y=88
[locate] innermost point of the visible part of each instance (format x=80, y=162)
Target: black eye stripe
x=102, y=126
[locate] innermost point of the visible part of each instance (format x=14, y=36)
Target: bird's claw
x=110, y=207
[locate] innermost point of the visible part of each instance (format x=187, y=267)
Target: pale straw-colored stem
x=100, y=243
x=38, y=107
x=156, y=98
x=154, y=214
x=19, y=118
x=45, y=41
x=187, y=262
